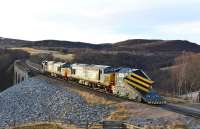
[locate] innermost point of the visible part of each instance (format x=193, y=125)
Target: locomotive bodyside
x=94, y=73
x=56, y=68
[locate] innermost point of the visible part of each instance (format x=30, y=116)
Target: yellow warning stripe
x=133, y=92
x=138, y=81
x=144, y=79
x=137, y=86
x=132, y=80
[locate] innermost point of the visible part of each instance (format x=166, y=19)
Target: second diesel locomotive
x=130, y=83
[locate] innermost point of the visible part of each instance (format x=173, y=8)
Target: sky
x=100, y=21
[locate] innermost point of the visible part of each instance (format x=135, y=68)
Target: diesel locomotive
x=133, y=84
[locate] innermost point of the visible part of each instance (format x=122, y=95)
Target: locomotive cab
x=44, y=66
x=135, y=84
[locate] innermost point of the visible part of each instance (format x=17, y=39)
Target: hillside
x=158, y=45
x=140, y=53
x=128, y=45
x=7, y=42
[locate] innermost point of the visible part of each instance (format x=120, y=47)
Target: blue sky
x=99, y=21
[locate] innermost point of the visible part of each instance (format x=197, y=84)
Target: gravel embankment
x=41, y=99
x=37, y=99
x=166, y=122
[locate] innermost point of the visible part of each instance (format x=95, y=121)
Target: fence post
x=87, y=125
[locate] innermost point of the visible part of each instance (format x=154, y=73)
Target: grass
x=177, y=100
x=121, y=113
x=45, y=126
x=56, y=54
x=33, y=51
x=40, y=126
x=93, y=99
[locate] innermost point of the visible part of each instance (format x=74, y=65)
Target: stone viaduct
x=21, y=72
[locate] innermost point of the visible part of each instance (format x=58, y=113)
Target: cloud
x=99, y=20
x=185, y=28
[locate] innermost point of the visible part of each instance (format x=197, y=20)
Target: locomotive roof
x=59, y=63
x=102, y=66
x=50, y=61
x=90, y=65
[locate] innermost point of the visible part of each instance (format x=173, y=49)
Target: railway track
x=170, y=107
x=182, y=110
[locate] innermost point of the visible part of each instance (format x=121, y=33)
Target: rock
x=38, y=99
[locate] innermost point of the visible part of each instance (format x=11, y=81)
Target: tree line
x=186, y=75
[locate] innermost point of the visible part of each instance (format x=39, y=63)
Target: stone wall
x=21, y=73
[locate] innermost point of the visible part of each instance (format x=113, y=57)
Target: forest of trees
x=186, y=74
